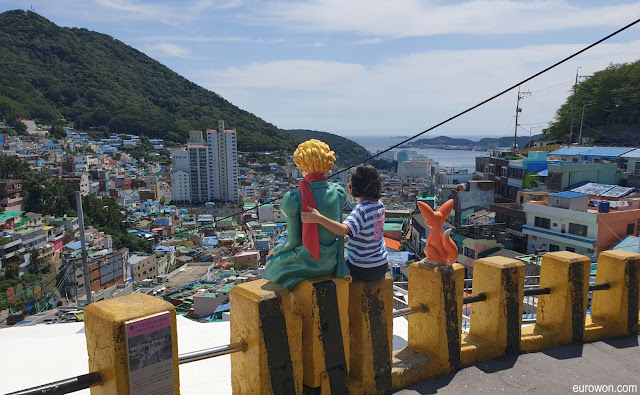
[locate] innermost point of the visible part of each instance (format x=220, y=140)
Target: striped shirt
x=366, y=245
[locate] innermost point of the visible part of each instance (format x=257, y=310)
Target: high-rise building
x=213, y=165
x=180, y=177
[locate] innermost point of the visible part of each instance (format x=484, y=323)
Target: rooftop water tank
x=603, y=207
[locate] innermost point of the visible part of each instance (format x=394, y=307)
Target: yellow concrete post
x=371, y=329
x=262, y=319
x=561, y=314
x=496, y=321
x=323, y=303
x=614, y=312
x=434, y=337
x=132, y=342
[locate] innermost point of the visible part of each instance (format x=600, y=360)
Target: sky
x=370, y=67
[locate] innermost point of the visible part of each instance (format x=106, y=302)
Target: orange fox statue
x=440, y=248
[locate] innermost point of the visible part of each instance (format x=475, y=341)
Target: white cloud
x=369, y=41
x=128, y=9
x=205, y=39
x=409, y=93
x=409, y=18
x=168, y=49
x=292, y=75
x=170, y=14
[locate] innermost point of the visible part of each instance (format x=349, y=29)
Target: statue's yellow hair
x=314, y=156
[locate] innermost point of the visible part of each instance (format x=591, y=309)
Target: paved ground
x=554, y=371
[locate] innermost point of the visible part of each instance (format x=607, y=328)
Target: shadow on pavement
x=565, y=351
x=622, y=342
x=430, y=386
x=496, y=365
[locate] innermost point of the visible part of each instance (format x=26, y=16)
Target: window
x=631, y=229
x=553, y=247
x=469, y=252
x=571, y=249
x=576, y=229
x=542, y=222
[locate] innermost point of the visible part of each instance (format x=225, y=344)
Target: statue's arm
x=291, y=207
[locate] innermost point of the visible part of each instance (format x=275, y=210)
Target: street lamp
x=530, y=133
x=581, y=122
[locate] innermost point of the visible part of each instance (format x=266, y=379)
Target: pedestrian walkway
x=568, y=369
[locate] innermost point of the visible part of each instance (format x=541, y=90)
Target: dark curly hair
x=366, y=183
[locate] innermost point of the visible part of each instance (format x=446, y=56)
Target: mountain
x=55, y=74
x=347, y=151
x=611, y=106
x=485, y=143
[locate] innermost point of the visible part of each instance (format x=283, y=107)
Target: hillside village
x=518, y=205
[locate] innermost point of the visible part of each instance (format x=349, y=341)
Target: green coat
x=292, y=263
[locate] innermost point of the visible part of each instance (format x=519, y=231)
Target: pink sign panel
x=150, y=355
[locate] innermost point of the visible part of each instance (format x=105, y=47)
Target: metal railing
x=211, y=352
x=65, y=386
x=410, y=310
x=85, y=381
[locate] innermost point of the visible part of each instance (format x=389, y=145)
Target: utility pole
x=581, y=122
x=573, y=107
x=85, y=264
x=521, y=96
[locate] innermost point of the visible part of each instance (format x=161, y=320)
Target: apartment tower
x=213, y=165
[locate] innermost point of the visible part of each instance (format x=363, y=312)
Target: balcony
x=536, y=231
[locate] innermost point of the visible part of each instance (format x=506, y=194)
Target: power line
x=551, y=88
x=495, y=96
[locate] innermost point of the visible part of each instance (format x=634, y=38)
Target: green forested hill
x=93, y=80
x=347, y=152
x=611, y=101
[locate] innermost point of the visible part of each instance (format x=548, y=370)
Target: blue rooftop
x=569, y=151
x=611, y=152
x=209, y=242
x=568, y=194
x=629, y=243
x=632, y=154
x=223, y=307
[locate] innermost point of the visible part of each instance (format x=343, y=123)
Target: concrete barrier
x=496, y=321
x=262, y=319
x=561, y=314
x=434, y=337
x=371, y=329
x=133, y=344
x=322, y=304
x=614, y=312
x=328, y=336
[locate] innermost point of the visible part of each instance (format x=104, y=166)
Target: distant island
x=444, y=142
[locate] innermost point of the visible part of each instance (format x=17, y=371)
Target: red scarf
x=310, y=236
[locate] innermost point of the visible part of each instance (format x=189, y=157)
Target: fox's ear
x=446, y=208
x=426, y=211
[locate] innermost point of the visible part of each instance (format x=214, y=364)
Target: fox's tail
x=450, y=247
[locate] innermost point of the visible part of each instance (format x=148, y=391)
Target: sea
x=447, y=159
